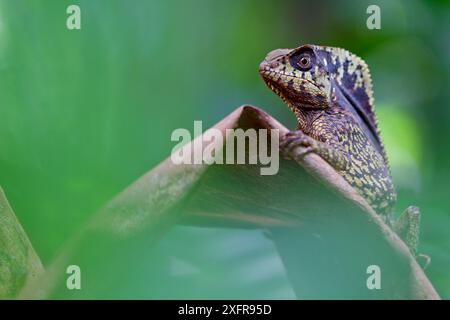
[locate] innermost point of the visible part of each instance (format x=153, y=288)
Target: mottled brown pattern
x=330, y=92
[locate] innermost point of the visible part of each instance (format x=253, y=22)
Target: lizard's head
x=312, y=77
x=298, y=76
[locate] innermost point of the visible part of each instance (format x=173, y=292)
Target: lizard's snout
x=271, y=61
x=268, y=65
x=263, y=66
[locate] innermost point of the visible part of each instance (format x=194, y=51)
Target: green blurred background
x=83, y=113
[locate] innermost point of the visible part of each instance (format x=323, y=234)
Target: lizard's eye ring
x=303, y=60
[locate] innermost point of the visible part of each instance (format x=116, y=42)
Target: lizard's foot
x=407, y=227
x=296, y=144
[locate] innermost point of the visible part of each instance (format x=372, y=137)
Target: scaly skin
x=330, y=92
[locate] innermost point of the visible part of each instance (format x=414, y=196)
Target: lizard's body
x=330, y=92
x=363, y=166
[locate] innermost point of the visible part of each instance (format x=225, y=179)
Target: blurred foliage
x=84, y=113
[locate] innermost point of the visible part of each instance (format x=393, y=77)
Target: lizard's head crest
x=314, y=77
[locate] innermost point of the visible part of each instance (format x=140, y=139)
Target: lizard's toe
x=295, y=144
x=425, y=260
x=299, y=152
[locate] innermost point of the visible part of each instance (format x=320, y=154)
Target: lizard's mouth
x=269, y=76
x=289, y=88
x=270, y=82
x=277, y=89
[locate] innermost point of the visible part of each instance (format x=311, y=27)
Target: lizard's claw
x=426, y=260
x=295, y=145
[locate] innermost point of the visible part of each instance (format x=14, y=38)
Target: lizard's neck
x=306, y=118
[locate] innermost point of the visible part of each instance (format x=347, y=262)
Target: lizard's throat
x=298, y=100
x=301, y=116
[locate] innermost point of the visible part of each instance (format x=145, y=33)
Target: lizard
x=329, y=90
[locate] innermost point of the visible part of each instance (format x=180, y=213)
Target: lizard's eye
x=303, y=60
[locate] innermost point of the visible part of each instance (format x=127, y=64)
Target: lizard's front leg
x=296, y=144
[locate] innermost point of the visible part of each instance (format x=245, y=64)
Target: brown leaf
x=326, y=234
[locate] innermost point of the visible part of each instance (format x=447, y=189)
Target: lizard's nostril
x=274, y=64
x=268, y=65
